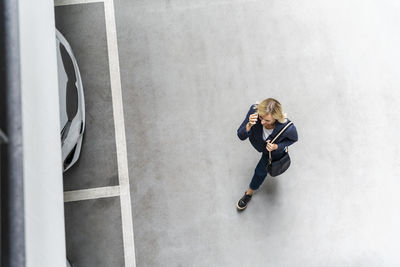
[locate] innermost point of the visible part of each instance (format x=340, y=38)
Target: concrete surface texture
x=191, y=69
x=93, y=231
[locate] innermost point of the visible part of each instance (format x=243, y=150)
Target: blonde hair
x=273, y=107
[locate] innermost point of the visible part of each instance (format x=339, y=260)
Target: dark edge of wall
x=12, y=191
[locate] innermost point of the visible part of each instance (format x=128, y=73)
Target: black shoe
x=242, y=203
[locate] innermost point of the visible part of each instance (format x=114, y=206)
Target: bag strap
x=284, y=128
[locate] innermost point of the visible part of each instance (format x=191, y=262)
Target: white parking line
x=92, y=193
x=122, y=158
x=74, y=2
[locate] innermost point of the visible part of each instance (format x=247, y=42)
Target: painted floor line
x=122, y=157
x=75, y=2
x=92, y=193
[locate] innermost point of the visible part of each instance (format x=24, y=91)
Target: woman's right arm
x=248, y=126
x=244, y=129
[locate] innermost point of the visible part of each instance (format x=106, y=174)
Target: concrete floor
x=190, y=70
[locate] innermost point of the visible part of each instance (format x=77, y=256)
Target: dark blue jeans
x=260, y=172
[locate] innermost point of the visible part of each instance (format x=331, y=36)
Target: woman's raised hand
x=253, y=118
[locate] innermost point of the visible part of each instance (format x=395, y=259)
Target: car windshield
x=71, y=90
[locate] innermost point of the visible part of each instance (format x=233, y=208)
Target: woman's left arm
x=290, y=138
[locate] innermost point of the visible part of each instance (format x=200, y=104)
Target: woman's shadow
x=269, y=189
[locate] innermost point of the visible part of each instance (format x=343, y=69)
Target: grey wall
x=44, y=207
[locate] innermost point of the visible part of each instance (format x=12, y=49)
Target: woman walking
x=262, y=123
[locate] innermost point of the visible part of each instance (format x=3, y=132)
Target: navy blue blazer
x=255, y=135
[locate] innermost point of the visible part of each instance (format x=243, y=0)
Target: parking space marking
x=119, y=124
x=92, y=193
x=75, y=2
x=122, y=156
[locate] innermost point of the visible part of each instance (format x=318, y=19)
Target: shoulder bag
x=277, y=167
